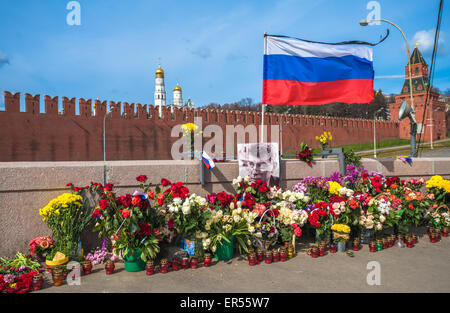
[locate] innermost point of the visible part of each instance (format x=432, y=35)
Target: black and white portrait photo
x=259, y=161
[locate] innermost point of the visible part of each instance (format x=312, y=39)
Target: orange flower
x=394, y=186
x=151, y=194
x=160, y=199
x=125, y=213
x=353, y=204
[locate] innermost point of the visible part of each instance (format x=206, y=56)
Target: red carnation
x=165, y=182
x=136, y=201
x=141, y=178
x=103, y=204
x=125, y=213
x=263, y=189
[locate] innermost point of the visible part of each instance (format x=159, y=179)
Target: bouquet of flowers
x=414, y=208
x=340, y=232
x=305, y=154
x=41, y=246
x=67, y=218
x=320, y=219
x=127, y=221
x=259, y=191
x=440, y=189
x=16, y=274
x=187, y=214
x=223, y=225
x=220, y=201
x=378, y=213
x=289, y=219
x=324, y=139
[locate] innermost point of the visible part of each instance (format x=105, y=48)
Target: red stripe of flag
x=291, y=92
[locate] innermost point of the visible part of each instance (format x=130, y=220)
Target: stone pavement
x=424, y=268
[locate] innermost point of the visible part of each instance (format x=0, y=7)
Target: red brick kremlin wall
x=139, y=134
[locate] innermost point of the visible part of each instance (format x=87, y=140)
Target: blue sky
x=214, y=48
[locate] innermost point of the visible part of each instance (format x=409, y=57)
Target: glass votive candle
x=268, y=256
x=260, y=254
x=373, y=246
x=109, y=267
x=175, y=264
x=207, y=260
x=283, y=254
x=163, y=266
x=252, y=259
x=314, y=251
x=149, y=267
x=290, y=251
x=185, y=262
x=194, y=262
x=275, y=255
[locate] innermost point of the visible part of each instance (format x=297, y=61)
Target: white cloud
x=425, y=38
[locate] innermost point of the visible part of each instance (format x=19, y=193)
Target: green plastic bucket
x=224, y=251
x=134, y=263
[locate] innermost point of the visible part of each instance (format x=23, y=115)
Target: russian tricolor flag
x=209, y=163
x=301, y=72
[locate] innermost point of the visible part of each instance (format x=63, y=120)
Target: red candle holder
x=194, y=262
x=283, y=255
x=414, y=239
x=268, y=257
x=175, y=264
x=109, y=267
x=207, y=260
x=260, y=255
x=38, y=282
x=149, y=268
x=252, y=259
x=314, y=252
x=164, y=266
x=373, y=247
x=333, y=248
x=275, y=256
x=444, y=233
x=87, y=267
x=321, y=251
x=185, y=262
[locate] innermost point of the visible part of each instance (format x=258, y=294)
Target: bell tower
x=432, y=126
x=160, y=90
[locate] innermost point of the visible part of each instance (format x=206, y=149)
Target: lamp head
x=363, y=22
x=405, y=110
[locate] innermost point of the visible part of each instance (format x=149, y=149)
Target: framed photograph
x=260, y=161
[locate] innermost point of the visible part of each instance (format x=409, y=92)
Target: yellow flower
x=333, y=187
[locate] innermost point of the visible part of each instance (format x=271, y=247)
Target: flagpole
x=261, y=136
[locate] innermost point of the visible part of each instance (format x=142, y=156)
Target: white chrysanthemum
x=186, y=209
x=177, y=200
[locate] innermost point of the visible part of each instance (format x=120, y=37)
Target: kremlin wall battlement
x=137, y=132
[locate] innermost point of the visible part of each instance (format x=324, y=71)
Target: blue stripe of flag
x=315, y=70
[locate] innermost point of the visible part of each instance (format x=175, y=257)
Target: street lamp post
x=413, y=124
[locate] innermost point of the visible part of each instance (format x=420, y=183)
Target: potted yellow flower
x=341, y=235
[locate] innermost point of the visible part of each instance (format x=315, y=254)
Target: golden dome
x=177, y=87
x=159, y=71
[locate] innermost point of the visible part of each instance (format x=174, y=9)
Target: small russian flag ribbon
x=209, y=163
